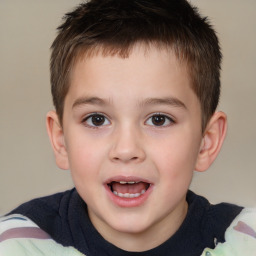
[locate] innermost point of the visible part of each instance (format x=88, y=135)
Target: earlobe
x=212, y=141
x=56, y=136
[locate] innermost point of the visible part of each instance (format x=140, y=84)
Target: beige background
x=27, y=167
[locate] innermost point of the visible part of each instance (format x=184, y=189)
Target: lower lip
x=128, y=202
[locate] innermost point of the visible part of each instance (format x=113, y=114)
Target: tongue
x=129, y=188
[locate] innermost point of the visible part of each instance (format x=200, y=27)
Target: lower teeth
x=128, y=195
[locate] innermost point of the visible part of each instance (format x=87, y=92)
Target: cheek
x=85, y=166
x=85, y=156
x=176, y=167
x=177, y=155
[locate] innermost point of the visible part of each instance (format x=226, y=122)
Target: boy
x=135, y=85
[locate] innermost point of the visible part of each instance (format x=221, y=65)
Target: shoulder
x=222, y=211
x=50, y=212
x=240, y=236
x=21, y=236
x=220, y=217
x=16, y=225
x=49, y=203
x=48, y=206
x=14, y=230
x=214, y=218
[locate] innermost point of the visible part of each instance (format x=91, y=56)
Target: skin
x=128, y=93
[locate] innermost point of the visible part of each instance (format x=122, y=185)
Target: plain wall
x=27, y=165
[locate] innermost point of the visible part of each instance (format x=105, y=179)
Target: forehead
x=142, y=49
x=147, y=72
x=144, y=57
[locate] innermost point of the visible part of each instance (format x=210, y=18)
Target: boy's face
x=135, y=121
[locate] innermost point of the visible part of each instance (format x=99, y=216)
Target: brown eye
x=159, y=120
x=96, y=120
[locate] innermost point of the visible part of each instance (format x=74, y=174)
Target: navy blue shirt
x=64, y=216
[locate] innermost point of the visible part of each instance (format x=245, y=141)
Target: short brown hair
x=115, y=26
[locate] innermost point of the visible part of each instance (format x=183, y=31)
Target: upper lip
x=126, y=179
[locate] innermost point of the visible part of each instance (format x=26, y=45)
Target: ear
x=56, y=136
x=212, y=141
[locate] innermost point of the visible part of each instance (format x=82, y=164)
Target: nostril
x=126, y=159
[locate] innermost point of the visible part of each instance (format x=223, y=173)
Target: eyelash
x=89, y=122
x=162, y=116
x=91, y=125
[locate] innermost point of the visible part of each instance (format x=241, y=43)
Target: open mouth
x=128, y=189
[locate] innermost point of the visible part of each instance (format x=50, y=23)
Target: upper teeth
x=128, y=182
x=128, y=195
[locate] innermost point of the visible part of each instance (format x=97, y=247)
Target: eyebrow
x=90, y=101
x=170, y=101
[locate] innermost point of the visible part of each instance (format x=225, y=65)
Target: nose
x=127, y=146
